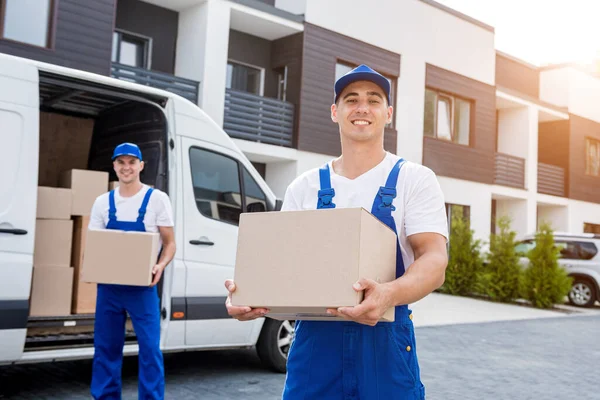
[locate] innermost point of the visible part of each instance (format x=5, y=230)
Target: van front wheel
x=274, y=343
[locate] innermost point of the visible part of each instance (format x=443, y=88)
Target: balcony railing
x=258, y=119
x=509, y=171
x=551, y=179
x=184, y=87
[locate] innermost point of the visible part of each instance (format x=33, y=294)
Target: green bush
x=500, y=277
x=545, y=282
x=464, y=260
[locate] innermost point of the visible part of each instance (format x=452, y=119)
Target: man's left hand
x=157, y=272
x=377, y=300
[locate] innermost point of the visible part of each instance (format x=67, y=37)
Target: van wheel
x=583, y=293
x=274, y=343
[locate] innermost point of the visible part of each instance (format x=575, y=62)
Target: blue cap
x=127, y=149
x=362, y=73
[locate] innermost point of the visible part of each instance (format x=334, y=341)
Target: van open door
x=19, y=137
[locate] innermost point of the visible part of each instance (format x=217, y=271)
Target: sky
x=540, y=32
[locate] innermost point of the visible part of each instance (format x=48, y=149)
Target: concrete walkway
x=443, y=309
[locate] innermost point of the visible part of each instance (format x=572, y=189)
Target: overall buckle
x=387, y=197
x=326, y=196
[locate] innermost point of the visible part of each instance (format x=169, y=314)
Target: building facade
x=504, y=137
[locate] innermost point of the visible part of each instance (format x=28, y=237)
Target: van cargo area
x=80, y=124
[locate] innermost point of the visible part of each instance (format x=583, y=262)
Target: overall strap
x=112, y=209
x=142, y=212
x=386, y=195
x=326, y=193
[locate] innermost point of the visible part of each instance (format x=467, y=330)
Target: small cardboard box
x=51, y=290
x=119, y=257
x=84, y=294
x=85, y=186
x=53, y=203
x=299, y=263
x=53, y=241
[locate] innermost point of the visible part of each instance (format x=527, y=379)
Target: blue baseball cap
x=362, y=73
x=127, y=149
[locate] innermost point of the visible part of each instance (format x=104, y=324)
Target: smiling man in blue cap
x=362, y=358
x=132, y=206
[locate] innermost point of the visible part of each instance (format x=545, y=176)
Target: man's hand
x=241, y=313
x=157, y=272
x=377, y=299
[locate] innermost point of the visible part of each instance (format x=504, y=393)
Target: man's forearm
x=424, y=276
x=167, y=254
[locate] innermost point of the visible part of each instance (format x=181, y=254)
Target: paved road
x=555, y=358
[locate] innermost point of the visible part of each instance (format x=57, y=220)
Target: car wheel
x=583, y=293
x=274, y=343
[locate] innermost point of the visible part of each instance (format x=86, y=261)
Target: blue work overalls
x=346, y=360
x=141, y=303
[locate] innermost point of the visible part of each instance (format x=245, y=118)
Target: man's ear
x=141, y=166
x=390, y=114
x=334, y=113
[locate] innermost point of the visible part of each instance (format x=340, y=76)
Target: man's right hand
x=241, y=313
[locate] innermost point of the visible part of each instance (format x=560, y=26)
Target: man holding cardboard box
x=136, y=207
x=361, y=358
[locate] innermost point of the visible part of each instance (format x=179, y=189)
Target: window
x=217, y=188
x=245, y=78
x=592, y=157
x=524, y=247
x=568, y=250
x=282, y=76
x=591, y=228
x=38, y=14
x=447, y=117
x=131, y=49
x=341, y=69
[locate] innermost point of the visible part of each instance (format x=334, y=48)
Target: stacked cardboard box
x=62, y=219
x=52, y=281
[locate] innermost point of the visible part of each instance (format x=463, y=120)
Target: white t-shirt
x=419, y=201
x=158, y=211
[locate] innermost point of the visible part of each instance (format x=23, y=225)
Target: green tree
x=500, y=278
x=464, y=259
x=545, y=282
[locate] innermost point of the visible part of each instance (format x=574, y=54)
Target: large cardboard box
x=85, y=186
x=53, y=203
x=51, y=291
x=119, y=257
x=299, y=263
x=52, y=245
x=84, y=294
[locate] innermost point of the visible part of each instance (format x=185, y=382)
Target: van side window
x=216, y=182
x=256, y=200
x=587, y=250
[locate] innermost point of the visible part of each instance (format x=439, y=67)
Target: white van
x=187, y=155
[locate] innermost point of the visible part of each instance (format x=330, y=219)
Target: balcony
x=184, y=87
x=258, y=119
x=509, y=171
x=551, y=179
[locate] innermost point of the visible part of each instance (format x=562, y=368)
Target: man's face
x=362, y=111
x=128, y=168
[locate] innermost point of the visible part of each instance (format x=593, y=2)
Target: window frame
x=50, y=29
x=452, y=97
x=262, y=74
x=393, y=83
x=240, y=170
x=147, y=47
x=588, y=141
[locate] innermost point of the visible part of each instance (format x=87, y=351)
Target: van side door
x=213, y=193
x=19, y=141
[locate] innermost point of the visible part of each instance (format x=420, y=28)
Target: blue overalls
x=346, y=360
x=141, y=303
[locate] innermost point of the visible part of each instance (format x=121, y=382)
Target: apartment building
x=504, y=137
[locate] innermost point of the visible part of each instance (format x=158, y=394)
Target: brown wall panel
x=476, y=161
x=287, y=51
x=582, y=187
x=322, y=50
x=518, y=76
x=159, y=23
x=455, y=161
x=82, y=39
